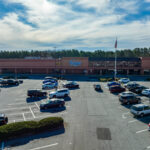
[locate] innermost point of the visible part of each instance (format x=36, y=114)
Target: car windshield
x=137, y=108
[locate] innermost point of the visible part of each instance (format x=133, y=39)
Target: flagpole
x=115, y=72
x=115, y=63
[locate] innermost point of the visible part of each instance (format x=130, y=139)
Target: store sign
x=74, y=63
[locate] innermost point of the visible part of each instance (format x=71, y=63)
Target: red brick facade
x=74, y=65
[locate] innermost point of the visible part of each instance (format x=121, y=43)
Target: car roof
x=2, y=115
x=140, y=105
x=62, y=89
x=56, y=99
x=127, y=93
x=34, y=90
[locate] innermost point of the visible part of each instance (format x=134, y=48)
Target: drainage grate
x=103, y=133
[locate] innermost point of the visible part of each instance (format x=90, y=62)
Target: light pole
x=115, y=73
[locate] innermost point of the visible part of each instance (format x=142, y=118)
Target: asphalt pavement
x=93, y=120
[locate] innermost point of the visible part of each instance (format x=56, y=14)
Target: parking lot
x=93, y=120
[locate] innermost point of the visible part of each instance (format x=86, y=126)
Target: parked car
x=36, y=93
x=9, y=82
x=59, y=93
x=3, y=119
x=138, y=89
x=112, y=83
x=116, y=89
x=50, y=78
x=71, y=84
x=129, y=98
x=140, y=110
x=124, y=80
x=146, y=92
x=52, y=103
x=20, y=81
x=97, y=87
x=131, y=85
x=49, y=81
x=49, y=85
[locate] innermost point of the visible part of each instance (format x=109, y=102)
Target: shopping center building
x=76, y=65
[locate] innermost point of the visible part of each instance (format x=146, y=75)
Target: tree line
x=137, y=52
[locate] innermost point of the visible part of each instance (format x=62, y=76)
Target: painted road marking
x=37, y=105
x=142, y=131
x=45, y=146
x=132, y=121
x=23, y=117
x=32, y=112
x=123, y=115
x=26, y=112
x=14, y=108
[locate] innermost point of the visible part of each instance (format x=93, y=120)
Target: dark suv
x=36, y=93
x=52, y=103
x=9, y=82
x=129, y=98
x=138, y=89
x=3, y=119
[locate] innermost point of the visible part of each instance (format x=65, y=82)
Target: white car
x=59, y=93
x=124, y=80
x=140, y=110
x=49, y=85
x=146, y=92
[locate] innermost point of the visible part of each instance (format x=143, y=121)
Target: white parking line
x=2, y=147
x=45, y=146
x=132, y=121
x=23, y=117
x=32, y=112
x=37, y=105
x=26, y=112
x=142, y=131
x=14, y=108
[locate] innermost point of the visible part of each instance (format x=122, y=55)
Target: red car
x=116, y=89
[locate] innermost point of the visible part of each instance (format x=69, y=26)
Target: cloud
x=61, y=25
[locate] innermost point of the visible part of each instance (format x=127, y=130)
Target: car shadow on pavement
x=68, y=98
x=33, y=99
x=8, y=86
x=28, y=139
x=76, y=88
x=99, y=91
x=145, y=119
x=54, y=110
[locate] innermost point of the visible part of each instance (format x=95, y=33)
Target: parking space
x=86, y=113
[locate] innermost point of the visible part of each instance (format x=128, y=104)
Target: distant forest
x=137, y=52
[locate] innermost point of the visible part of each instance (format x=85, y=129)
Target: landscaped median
x=19, y=129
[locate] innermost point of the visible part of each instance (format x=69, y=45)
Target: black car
x=97, y=87
x=36, y=93
x=71, y=84
x=131, y=85
x=3, y=119
x=20, y=81
x=138, y=89
x=9, y=82
x=52, y=103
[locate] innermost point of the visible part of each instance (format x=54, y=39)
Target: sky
x=74, y=24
